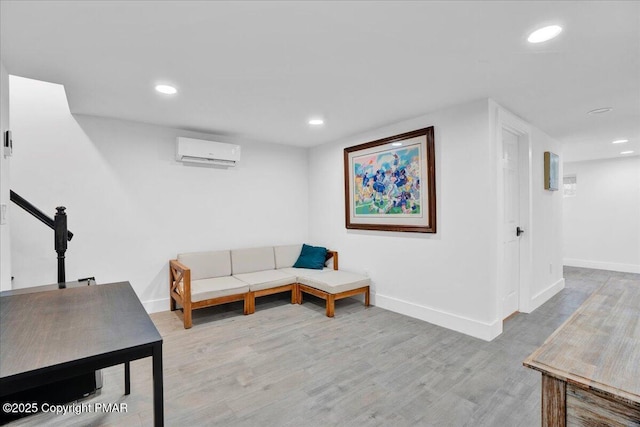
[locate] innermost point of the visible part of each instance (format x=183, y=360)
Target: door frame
x=513, y=124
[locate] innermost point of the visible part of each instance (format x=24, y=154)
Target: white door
x=510, y=236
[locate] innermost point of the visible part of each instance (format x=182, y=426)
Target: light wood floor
x=289, y=365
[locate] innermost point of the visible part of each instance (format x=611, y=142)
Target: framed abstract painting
x=390, y=183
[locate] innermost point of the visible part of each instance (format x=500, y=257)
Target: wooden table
x=591, y=365
x=52, y=335
x=49, y=287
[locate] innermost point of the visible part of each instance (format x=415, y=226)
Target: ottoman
x=332, y=285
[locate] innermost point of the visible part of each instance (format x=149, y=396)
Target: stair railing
x=58, y=224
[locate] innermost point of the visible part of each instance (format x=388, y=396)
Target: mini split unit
x=191, y=150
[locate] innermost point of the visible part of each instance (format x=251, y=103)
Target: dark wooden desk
x=50, y=287
x=49, y=336
x=591, y=365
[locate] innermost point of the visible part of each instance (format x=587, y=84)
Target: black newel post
x=61, y=237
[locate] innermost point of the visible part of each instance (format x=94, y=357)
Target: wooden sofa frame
x=331, y=298
x=179, y=272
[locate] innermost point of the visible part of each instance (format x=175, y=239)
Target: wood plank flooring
x=289, y=365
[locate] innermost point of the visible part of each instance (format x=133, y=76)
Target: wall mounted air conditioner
x=207, y=152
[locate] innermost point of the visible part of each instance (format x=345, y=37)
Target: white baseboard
x=599, y=265
x=475, y=328
x=156, y=305
x=541, y=297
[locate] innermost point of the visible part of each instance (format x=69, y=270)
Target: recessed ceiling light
x=544, y=34
x=626, y=152
x=316, y=122
x=166, y=89
x=619, y=141
x=396, y=144
x=600, y=110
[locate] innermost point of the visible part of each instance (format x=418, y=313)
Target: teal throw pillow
x=311, y=257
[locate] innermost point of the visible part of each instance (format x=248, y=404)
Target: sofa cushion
x=215, y=287
x=311, y=257
x=335, y=281
x=253, y=259
x=302, y=271
x=204, y=265
x=266, y=279
x=286, y=255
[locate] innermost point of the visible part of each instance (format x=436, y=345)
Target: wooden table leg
x=127, y=378
x=158, y=398
x=554, y=402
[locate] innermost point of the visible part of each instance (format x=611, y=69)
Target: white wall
x=449, y=278
x=5, y=250
x=602, y=222
x=131, y=206
x=546, y=225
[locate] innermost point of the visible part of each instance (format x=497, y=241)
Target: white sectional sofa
x=203, y=279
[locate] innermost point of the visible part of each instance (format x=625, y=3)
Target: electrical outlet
x=3, y=214
x=550, y=268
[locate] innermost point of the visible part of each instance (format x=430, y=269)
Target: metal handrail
x=30, y=208
x=59, y=225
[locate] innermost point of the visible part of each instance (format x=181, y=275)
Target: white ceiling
x=260, y=70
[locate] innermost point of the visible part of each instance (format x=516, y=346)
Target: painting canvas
x=551, y=165
x=390, y=183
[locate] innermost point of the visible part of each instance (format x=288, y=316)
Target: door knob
x=519, y=231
